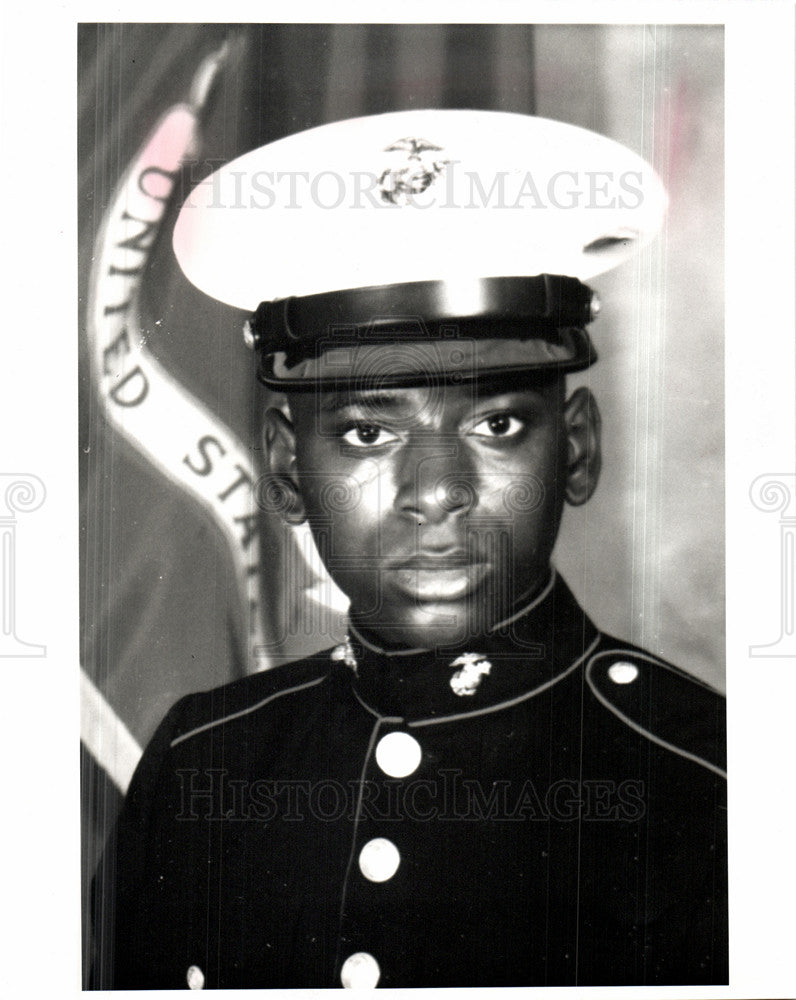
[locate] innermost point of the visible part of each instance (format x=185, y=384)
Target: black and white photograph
x=440, y=752
x=410, y=365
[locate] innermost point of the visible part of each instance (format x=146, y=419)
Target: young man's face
x=435, y=509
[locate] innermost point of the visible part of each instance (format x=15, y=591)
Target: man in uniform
x=476, y=787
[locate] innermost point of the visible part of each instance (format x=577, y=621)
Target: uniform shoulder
x=665, y=704
x=205, y=709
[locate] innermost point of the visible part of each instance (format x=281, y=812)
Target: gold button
x=398, y=754
x=623, y=673
x=379, y=859
x=360, y=971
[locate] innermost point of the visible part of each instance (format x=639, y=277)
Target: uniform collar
x=522, y=655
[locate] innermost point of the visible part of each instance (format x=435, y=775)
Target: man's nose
x=435, y=481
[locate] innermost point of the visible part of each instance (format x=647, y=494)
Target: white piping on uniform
x=528, y=607
x=384, y=652
x=246, y=711
x=368, y=751
x=512, y=701
x=634, y=725
x=397, y=719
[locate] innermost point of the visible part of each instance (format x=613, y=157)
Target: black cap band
x=526, y=308
x=556, y=300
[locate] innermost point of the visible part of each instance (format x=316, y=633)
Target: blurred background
x=174, y=598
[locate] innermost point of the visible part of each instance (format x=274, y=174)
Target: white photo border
x=40, y=723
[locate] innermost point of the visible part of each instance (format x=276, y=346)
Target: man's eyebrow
x=375, y=399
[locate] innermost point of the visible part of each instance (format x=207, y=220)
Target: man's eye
x=367, y=435
x=498, y=425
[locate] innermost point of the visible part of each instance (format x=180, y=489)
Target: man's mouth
x=430, y=560
x=439, y=576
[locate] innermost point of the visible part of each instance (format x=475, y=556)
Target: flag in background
x=170, y=414
x=186, y=582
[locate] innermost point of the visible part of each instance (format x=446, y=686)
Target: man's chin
x=432, y=625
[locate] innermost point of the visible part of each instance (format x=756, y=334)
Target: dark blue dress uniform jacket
x=563, y=824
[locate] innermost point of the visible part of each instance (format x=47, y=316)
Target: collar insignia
x=345, y=653
x=473, y=666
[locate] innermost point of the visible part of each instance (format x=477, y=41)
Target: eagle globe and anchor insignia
x=414, y=174
x=472, y=667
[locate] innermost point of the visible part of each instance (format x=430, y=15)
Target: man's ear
x=279, y=446
x=582, y=422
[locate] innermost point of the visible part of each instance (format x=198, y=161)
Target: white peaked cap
x=416, y=196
